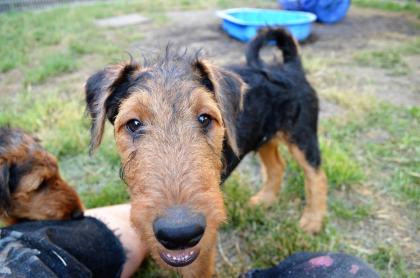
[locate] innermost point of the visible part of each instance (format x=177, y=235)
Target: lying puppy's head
x=31, y=187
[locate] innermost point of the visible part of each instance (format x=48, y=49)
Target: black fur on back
x=279, y=98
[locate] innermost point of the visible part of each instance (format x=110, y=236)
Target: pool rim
x=225, y=15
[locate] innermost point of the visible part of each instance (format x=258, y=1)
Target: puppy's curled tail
x=283, y=39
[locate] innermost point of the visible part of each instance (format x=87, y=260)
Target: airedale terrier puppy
x=31, y=187
x=181, y=127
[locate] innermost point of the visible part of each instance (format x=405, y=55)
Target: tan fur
x=316, y=188
x=316, y=185
x=54, y=200
x=273, y=170
x=173, y=163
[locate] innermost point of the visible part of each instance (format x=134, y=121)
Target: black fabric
x=87, y=248
x=316, y=265
x=77, y=248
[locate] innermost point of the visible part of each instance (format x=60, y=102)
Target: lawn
x=369, y=128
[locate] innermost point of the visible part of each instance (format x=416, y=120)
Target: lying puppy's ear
x=104, y=91
x=4, y=186
x=229, y=90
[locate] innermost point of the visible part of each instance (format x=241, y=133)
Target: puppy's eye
x=204, y=120
x=42, y=186
x=134, y=126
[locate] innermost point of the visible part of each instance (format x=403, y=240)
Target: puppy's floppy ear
x=229, y=90
x=104, y=90
x=4, y=186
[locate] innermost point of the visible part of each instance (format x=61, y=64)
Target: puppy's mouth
x=180, y=258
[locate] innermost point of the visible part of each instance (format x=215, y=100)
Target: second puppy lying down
x=31, y=187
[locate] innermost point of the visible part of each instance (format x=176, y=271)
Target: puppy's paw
x=311, y=222
x=263, y=198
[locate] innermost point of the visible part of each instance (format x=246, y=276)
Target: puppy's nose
x=77, y=214
x=179, y=228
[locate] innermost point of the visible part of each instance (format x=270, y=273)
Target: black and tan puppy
x=182, y=125
x=280, y=106
x=31, y=187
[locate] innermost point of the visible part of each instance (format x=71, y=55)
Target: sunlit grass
x=389, y=59
x=389, y=5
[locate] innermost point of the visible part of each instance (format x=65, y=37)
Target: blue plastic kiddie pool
x=244, y=23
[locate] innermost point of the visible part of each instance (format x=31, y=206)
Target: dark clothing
x=77, y=248
x=316, y=265
x=87, y=248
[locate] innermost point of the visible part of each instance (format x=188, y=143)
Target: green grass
x=383, y=59
x=411, y=47
x=339, y=163
x=389, y=263
x=51, y=42
x=57, y=120
x=52, y=65
x=48, y=43
x=399, y=154
x=350, y=211
x=111, y=194
x=240, y=214
x=389, y=59
x=390, y=5
x=396, y=155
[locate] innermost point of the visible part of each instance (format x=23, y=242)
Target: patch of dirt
x=329, y=109
x=401, y=90
x=196, y=30
x=362, y=27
